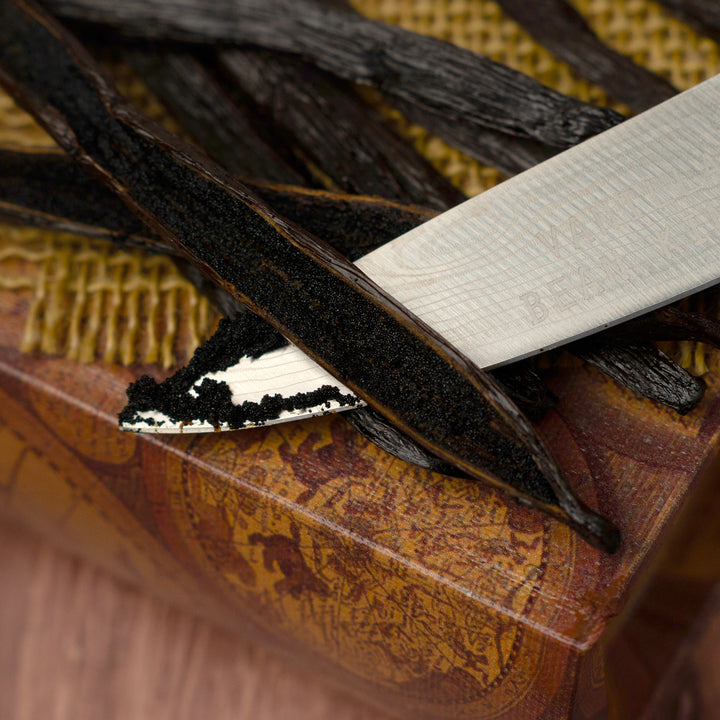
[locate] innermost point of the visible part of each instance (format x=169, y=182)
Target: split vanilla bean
x=558, y=26
x=319, y=300
x=417, y=69
x=354, y=225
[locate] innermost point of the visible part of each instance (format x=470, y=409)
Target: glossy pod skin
x=309, y=292
x=416, y=69
x=558, y=26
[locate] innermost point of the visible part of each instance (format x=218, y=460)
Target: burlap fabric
x=90, y=301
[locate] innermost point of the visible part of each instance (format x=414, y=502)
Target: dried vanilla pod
x=644, y=369
x=336, y=131
x=703, y=14
x=226, y=130
x=415, y=68
x=387, y=437
x=558, y=26
x=313, y=295
x=506, y=153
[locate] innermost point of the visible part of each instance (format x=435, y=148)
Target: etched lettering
x=590, y=286
x=579, y=233
x=561, y=295
x=535, y=307
x=549, y=239
x=632, y=203
x=666, y=242
x=603, y=217
x=617, y=268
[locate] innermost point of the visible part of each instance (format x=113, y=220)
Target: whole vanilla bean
x=508, y=154
x=644, y=369
x=337, y=132
x=703, y=14
x=558, y=26
x=225, y=129
x=319, y=300
x=415, y=68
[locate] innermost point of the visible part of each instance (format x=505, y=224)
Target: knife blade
x=624, y=223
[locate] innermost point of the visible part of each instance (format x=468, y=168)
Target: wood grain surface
x=78, y=644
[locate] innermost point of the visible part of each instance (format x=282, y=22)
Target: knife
x=624, y=223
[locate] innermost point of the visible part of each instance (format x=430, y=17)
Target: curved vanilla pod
x=314, y=296
x=415, y=68
x=645, y=370
x=703, y=14
x=558, y=26
x=669, y=323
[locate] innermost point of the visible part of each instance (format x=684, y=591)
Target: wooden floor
x=75, y=644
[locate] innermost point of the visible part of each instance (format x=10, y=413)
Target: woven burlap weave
x=90, y=301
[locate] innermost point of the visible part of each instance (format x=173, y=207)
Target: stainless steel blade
x=624, y=223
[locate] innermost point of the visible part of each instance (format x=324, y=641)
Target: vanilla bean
x=645, y=370
x=337, y=132
x=669, y=323
x=224, y=128
x=354, y=225
x=386, y=436
x=519, y=381
x=703, y=14
x=415, y=68
x=510, y=155
x=558, y=26
x=319, y=300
